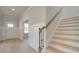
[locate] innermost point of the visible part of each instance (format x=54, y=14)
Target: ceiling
x=12, y=11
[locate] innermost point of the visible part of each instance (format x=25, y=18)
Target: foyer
x=19, y=28
x=39, y=29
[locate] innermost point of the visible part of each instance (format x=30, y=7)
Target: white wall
x=6, y=32
x=35, y=15
x=50, y=12
x=71, y=11
x=11, y=32
x=1, y=28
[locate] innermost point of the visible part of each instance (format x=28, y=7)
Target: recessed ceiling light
x=13, y=9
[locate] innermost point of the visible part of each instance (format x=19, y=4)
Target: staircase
x=66, y=37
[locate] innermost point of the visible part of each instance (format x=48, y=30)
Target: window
x=10, y=25
x=26, y=25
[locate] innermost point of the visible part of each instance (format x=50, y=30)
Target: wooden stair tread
x=66, y=46
x=62, y=48
x=70, y=43
x=53, y=50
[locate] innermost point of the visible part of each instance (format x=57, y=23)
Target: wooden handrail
x=51, y=20
x=40, y=29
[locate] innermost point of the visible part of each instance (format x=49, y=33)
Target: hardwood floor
x=15, y=46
